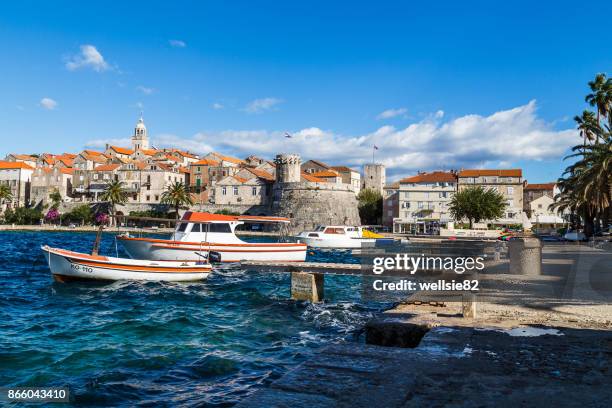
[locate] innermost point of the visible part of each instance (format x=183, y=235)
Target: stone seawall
x=311, y=204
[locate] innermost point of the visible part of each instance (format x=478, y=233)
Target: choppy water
x=159, y=344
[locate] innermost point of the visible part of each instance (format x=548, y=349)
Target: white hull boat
x=337, y=237
x=199, y=235
x=68, y=265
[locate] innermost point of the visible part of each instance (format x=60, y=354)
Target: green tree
x=81, y=214
x=587, y=126
x=56, y=198
x=177, y=195
x=370, y=204
x=601, y=96
x=476, y=204
x=23, y=216
x=5, y=194
x=115, y=194
x=226, y=211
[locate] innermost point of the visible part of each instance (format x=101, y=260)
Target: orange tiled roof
x=185, y=154
x=205, y=162
x=229, y=158
x=148, y=152
x=543, y=186
x=121, y=150
x=5, y=165
x=68, y=155
x=325, y=174
x=240, y=179
x=320, y=163
x=66, y=170
x=26, y=157
x=93, y=152
x=433, y=177
x=343, y=168
x=183, y=169
x=311, y=178
x=66, y=160
x=262, y=174
x=107, y=167
x=484, y=172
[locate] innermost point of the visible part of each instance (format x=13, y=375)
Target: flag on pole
x=287, y=135
x=375, y=147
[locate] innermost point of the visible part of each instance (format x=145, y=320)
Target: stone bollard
x=307, y=286
x=525, y=256
x=468, y=306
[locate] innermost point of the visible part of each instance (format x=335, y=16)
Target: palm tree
x=588, y=126
x=5, y=193
x=476, y=204
x=600, y=96
x=177, y=195
x=115, y=194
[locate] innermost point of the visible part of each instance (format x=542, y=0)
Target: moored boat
x=68, y=265
x=200, y=234
x=338, y=236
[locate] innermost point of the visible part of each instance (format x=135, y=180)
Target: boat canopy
x=202, y=217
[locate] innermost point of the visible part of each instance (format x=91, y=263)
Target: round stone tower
x=288, y=168
x=310, y=203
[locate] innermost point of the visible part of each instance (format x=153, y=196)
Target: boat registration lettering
x=81, y=268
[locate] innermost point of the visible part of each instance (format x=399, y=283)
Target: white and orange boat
x=68, y=265
x=201, y=235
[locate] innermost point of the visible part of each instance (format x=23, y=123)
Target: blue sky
x=458, y=84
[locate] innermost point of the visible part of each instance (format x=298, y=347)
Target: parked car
x=575, y=236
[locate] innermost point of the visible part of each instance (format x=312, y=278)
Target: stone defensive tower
x=288, y=168
x=308, y=203
x=374, y=177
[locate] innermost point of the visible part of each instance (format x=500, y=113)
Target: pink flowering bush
x=101, y=218
x=52, y=215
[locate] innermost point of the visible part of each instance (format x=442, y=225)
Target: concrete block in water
x=307, y=286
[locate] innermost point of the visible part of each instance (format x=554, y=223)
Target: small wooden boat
x=68, y=265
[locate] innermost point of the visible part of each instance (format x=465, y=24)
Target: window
x=235, y=190
x=420, y=204
x=196, y=228
x=156, y=198
x=539, y=206
x=510, y=190
x=148, y=198
x=219, y=227
x=182, y=226
x=254, y=191
x=510, y=203
x=224, y=190
x=443, y=194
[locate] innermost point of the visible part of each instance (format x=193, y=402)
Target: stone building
x=534, y=191
x=423, y=202
x=390, y=204
x=22, y=158
x=18, y=176
x=349, y=176
x=374, y=177
x=46, y=180
x=308, y=201
x=507, y=182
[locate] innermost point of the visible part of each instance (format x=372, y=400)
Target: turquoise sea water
x=160, y=344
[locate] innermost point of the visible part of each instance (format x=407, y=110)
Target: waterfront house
x=534, y=191
x=349, y=176
x=390, y=204
x=22, y=158
x=18, y=176
x=508, y=182
x=46, y=180
x=423, y=202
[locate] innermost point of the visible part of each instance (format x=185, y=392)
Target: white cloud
x=145, y=90
x=89, y=57
x=262, y=105
x=500, y=139
x=217, y=106
x=177, y=43
x=48, y=103
x=392, y=113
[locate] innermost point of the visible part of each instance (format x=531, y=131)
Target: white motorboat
x=200, y=234
x=338, y=236
x=68, y=265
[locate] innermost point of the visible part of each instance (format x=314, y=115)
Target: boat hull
x=68, y=265
x=160, y=249
x=348, y=243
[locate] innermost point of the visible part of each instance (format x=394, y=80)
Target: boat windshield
x=182, y=227
x=320, y=228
